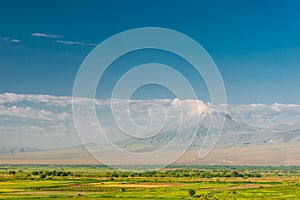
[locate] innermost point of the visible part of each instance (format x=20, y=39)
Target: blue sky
x=255, y=44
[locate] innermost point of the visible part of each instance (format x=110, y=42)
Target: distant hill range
x=14, y=150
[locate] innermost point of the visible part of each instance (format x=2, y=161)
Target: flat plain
x=173, y=182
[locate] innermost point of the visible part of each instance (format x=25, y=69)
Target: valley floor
x=93, y=182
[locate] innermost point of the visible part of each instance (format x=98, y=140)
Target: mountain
x=234, y=134
x=212, y=122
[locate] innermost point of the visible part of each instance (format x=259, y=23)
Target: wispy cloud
x=75, y=43
x=66, y=42
x=8, y=39
x=46, y=35
x=15, y=40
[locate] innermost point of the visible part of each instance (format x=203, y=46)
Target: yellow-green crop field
x=174, y=182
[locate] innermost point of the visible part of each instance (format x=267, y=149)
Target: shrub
x=204, y=197
x=54, y=173
x=192, y=192
x=42, y=176
x=12, y=172
x=35, y=173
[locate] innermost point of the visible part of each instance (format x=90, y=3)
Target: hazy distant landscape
x=255, y=134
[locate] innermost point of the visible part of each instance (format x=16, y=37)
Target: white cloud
x=40, y=98
x=45, y=35
x=57, y=108
x=15, y=40
x=29, y=106
x=32, y=113
x=8, y=39
x=67, y=42
x=75, y=43
x=286, y=116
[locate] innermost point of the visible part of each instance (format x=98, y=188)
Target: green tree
x=12, y=172
x=42, y=176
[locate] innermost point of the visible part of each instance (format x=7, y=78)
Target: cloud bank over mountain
x=46, y=122
x=275, y=116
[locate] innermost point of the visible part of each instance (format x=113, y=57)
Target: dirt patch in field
x=246, y=186
x=143, y=185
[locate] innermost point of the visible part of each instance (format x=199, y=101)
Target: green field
x=174, y=182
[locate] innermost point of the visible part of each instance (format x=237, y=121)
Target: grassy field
x=175, y=182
